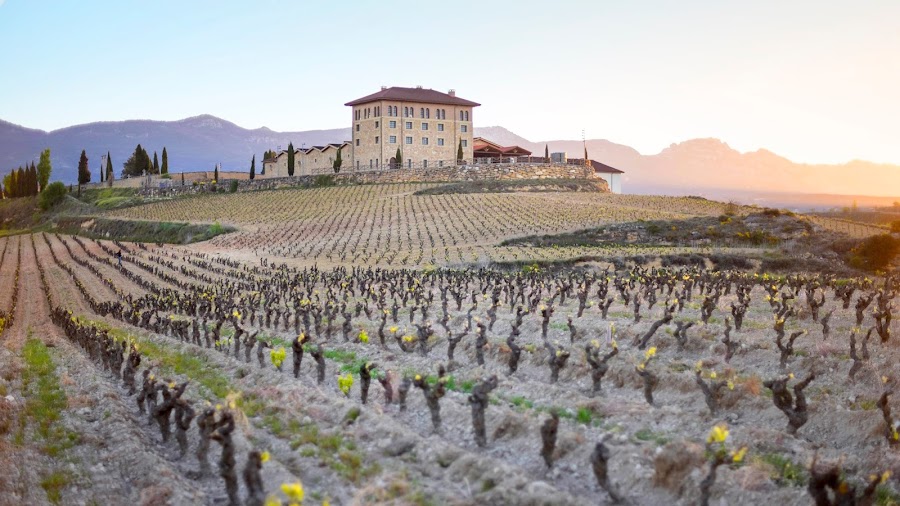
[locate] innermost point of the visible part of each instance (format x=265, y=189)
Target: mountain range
x=697, y=166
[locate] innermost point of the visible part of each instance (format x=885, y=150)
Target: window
x=428, y=113
x=376, y=124
x=440, y=127
x=443, y=113
x=424, y=126
x=394, y=108
x=370, y=163
x=392, y=124
x=377, y=139
x=424, y=141
x=357, y=165
x=465, y=143
x=406, y=112
x=424, y=164
x=392, y=139
x=409, y=125
x=460, y=115
x=421, y=112
x=390, y=111
x=357, y=142
x=467, y=115
x=409, y=140
x=440, y=141
x=463, y=128
x=409, y=163
x=357, y=127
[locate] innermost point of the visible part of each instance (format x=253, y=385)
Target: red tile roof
x=413, y=95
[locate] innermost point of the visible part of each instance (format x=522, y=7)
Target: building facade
x=309, y=161
x=427, y=127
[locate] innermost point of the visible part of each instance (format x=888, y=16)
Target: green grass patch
x=54, y=483
x=139, y=231
x=647, y=435
x=45, y=399
x=783, y=470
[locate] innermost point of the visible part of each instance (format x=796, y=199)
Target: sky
x=815, y=81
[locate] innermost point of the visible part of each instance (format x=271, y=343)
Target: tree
x=84, y=172
x=216, y=173
x=459, y=152
x=137, y=163
x=338, y=161
x=290, y=159
x=165, y=162
x=182, y=179
x=52, y=195
x=101, y=172
x=253, y=168
x=110, y=173
x=546, y=153
x=44, y=169
x=109, y=169
x=32, y=180
x=155, y=164
x=399, y=157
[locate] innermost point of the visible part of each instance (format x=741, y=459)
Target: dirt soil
x=345, y=452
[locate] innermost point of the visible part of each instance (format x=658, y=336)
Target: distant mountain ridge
x=199, y=142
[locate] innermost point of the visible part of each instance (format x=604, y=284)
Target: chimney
x=452, y=93
x=418, y=86
x=383, y=88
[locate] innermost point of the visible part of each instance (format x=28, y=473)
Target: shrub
x=895, y=226
x=875, y=253
x=323, y=181
x=52, y=195
x=232, y=188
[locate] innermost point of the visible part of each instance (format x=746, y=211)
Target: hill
x=196, y=143
x=697, y=166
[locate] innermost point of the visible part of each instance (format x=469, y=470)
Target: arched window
x=428, y=113
x=460, y=115
x=421, y=112
x=395, y=110
x=467, y=115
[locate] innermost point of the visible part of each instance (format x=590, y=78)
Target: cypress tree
x=20, y=183
x=102, y=170
x=165, y=162
x=216, y=173
x=110, y=173
x=399, y=157
x=155, y=163
x=546, y=154
x=459, y=152
x=182, y=179
x=338, y=161
x=253, y=168
x=84, y=172
x=33, y=180
x=290, y=159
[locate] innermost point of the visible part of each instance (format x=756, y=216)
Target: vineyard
x=342, y=348
x=389, y=226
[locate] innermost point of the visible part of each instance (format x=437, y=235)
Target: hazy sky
x=816, y=81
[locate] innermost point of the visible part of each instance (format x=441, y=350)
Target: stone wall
x=431, y=175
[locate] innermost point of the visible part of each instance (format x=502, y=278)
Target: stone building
x=426, y=126
x=309, y=161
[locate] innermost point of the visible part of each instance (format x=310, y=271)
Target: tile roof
x=422, y=95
